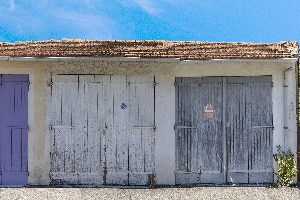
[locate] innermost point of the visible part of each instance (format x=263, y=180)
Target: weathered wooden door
x=224, y=130
x=249, y=128
x=14, y=129
x=130, y=133
x=102, y=129
x=78, y=108
x=199, y=139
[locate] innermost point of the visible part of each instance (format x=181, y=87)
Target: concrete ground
x=226, y=192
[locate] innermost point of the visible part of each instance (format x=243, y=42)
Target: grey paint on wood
x=102, y=129
x=198, y=163
x=235, y=145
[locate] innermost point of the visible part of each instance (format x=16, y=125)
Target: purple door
x=13, y=129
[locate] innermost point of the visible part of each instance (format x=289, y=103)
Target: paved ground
x=228, y=192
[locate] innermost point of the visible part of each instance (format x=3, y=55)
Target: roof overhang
x=134, y=59
x=182, y=50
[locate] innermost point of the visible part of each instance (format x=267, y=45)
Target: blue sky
x=185, y=20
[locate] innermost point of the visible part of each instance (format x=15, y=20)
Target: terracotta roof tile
x=150, y=49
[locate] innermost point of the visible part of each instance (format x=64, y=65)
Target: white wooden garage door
x=102, y=129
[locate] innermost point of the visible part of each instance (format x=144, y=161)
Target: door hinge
x=57, y=127
x=50, y=83
x=144, y=127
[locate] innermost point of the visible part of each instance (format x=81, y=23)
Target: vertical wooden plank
x=6, y=150
x=93, y=137
x=24, y=123
x=93, y=134
x=68, y=99
x=135, y=138
x=120, y=118
x=110, y=137
x=238, y=137
x=183, y=94
x=16, y=150
x=7, y=97
x=55, y=120
x=82, y=122
x=103, y=109
x=106, y=104
x=24, y=150
x=93, y=95
x=68, y=151
x=58, y=151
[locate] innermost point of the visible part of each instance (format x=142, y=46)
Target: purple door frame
x=14, y=129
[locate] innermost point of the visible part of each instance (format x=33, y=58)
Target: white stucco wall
x=165, y=71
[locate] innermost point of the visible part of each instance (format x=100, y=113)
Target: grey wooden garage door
x=224, y=130
x=102, y=129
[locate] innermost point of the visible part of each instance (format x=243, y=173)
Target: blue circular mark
x=123, y=106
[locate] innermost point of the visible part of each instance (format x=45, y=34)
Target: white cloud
x=149, y=6
x=84, y=25
x=48, y=21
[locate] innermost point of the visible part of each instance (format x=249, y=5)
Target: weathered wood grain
x=100, y=129
x=243, y=118
x=76, y=138
x=130, y=144
x=199, y=139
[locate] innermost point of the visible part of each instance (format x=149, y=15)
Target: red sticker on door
x=209, y=111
